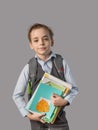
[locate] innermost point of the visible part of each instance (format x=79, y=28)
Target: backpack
x=57, y=61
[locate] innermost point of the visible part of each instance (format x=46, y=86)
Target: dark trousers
x=60, y=124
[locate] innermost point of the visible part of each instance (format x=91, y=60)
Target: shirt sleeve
x=69, y=78
x=20, y=89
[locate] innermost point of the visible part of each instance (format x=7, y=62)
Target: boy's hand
x=58, y=101
x=36, y=117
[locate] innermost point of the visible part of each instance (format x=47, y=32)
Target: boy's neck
x=44, y=57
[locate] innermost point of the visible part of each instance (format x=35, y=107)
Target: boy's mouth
x=42, y=48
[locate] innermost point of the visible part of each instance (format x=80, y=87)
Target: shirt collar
x=50, y=57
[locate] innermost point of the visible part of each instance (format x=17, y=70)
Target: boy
x=41, y=40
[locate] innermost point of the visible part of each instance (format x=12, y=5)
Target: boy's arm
x=19, y=92
x=69, y=79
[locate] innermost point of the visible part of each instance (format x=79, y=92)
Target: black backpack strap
x=32, y=68
x=58, y=62
x=32, y=74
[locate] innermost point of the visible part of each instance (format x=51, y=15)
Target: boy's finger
x=42, y=121
x=42, y=115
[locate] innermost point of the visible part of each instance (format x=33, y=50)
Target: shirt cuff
x=69, y=99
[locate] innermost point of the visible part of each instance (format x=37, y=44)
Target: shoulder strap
x=32, y=75
x=58, y=62
x=32, y=68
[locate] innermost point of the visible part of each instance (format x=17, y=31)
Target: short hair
x=37, y=26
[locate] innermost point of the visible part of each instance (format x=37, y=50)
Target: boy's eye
x=36, y=40
x=46, y=38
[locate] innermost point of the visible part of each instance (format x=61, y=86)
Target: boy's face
x=41, y=42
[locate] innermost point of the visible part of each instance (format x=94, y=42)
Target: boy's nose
x=41, y=42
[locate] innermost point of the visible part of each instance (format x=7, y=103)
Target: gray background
x=75, y=25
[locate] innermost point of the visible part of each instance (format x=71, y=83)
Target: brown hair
x=37, y=26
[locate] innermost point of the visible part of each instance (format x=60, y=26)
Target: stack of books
x=40, y=101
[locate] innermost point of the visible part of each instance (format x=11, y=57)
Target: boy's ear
x=30, y=44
